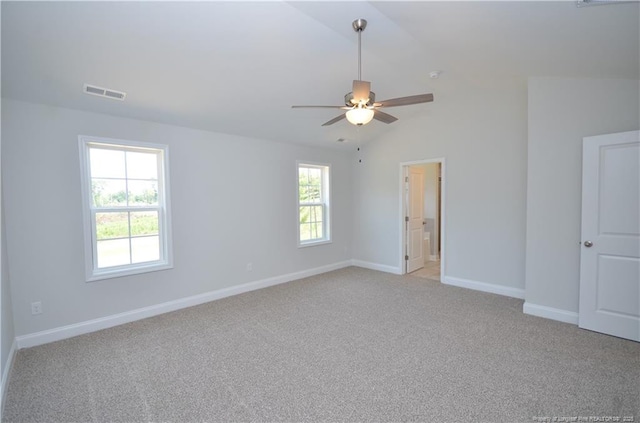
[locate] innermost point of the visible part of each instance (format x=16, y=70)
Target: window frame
x=326, y=203
x=92, y=272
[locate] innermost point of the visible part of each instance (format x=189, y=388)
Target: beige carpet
x=349, y=345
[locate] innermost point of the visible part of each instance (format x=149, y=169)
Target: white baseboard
x=550, y=313
x=484, y=287
x=375, y=266
x=6, y=374
x=434, y=258
x=64, y=332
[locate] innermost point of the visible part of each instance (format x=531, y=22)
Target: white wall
x=6, y=316
x=7, y=333
x=233, y=202
x=561, y=112
x=480, y=129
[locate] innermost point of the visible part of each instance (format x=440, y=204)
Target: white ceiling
x=237, y=67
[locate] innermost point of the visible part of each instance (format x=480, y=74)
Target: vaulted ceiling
x=237, y=67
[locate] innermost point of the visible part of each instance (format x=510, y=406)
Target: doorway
x=422, y=194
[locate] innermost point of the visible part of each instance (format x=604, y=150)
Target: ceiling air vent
x=104, y=92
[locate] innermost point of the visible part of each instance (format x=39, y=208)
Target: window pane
x=303, y=194
x=311, y=214
x=144, y=223
x=305, y=213
x=315, y=213
x=311, y=231
x=316, y=230
x=114, y=252
x=112, y=225
x=315, y=176
x=109, y=192
x=146, y=248
x=305, y=232
x=106, y=163
x=303, y=176
x=314, y=194
x=142, y=165
x=310, y=194
x=143, y=193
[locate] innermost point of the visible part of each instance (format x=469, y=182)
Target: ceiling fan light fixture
x=360, y=115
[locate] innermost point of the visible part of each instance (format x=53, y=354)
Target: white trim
x=314, y=243
x=550, y=313
x=434, y=258
x=8, y=366
x=64, y=332
x=118, y=272
x=507, y=291
x=375, y=266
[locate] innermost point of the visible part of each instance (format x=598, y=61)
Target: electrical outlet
x=249, y=267
x=36, y=308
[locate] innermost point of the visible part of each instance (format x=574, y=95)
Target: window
x=313, y=204
x=126, y=207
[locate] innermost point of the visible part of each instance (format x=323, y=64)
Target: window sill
x=129, y=271
x=314, y=243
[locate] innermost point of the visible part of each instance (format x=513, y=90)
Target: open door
x=610, y=250
x=415, y=219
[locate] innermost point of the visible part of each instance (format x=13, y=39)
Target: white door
x=610, y=256
x=415, y=212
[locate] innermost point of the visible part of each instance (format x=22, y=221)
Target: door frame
x=403, y=212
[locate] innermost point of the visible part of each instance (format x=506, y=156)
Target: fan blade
x=361, y=90
x=405, y=101
x=334, y=120
x=321, y=107
x=384, y=117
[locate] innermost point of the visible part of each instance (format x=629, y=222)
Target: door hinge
x=406, y=179
x=406, y=258
x=406, y=218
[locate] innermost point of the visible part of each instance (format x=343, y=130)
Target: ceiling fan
x=360, y=104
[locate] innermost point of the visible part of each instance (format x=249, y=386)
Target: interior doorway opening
x=422, y=218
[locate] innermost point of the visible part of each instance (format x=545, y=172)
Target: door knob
x=588, y=244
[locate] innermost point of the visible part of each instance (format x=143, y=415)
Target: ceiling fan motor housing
x=349, y=96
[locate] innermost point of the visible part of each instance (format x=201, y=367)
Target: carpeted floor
x=349, y=345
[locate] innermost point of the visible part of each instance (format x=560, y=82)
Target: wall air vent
x=104, y=92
